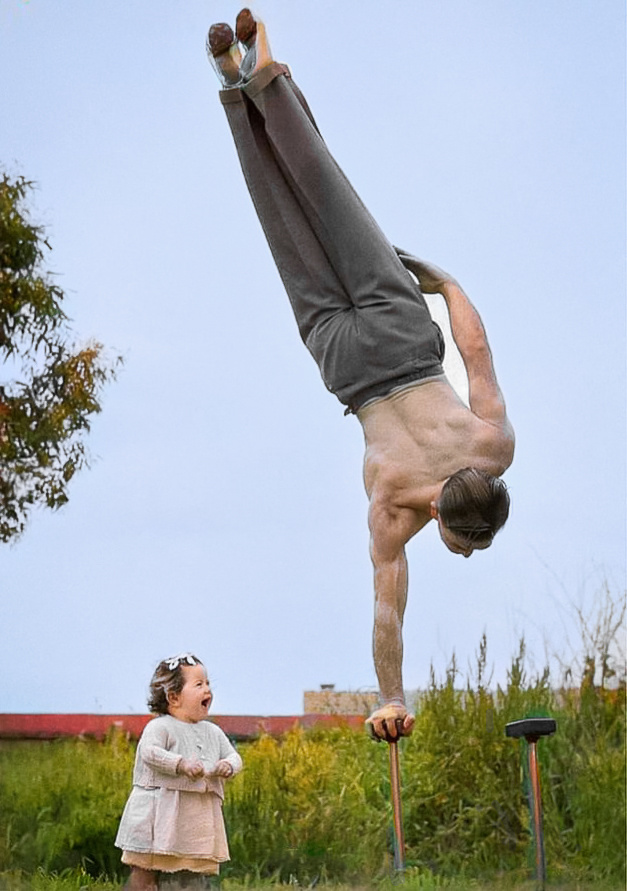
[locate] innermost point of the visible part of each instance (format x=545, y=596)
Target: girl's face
x=192, y=703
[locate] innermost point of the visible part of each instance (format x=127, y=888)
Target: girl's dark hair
x=166, y=680
x=474, y=505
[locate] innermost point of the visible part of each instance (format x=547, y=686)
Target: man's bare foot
x=390, y=722
x=224, y=54
x=251, y=33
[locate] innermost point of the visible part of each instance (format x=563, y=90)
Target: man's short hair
x=474, y=505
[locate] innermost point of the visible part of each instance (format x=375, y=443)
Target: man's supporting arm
x=390, y=588
x=390, y=585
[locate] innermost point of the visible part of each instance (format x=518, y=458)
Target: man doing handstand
x=367, y=325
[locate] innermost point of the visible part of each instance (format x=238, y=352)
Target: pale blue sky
x=225, y=511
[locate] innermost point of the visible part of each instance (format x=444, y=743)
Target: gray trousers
x=359, y=312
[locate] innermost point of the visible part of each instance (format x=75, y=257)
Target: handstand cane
x=397, y=809
x=532, y=729
x=395, y=784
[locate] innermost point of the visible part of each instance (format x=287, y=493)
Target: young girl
x=173, y=820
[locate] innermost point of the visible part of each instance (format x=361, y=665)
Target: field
x=80, y=881
x=313, y=808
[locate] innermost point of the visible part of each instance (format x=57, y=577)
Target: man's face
x=457, y=544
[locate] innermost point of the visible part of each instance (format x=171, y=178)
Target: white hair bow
x=175, y=661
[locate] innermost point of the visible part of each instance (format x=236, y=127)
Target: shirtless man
x=367, y=325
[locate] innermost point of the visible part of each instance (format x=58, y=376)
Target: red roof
x=97, y=726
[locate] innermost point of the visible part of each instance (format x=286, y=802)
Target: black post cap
x=531, y=728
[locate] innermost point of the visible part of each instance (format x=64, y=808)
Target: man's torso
x=419, y=437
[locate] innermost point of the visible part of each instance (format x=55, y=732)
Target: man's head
x=472, y=507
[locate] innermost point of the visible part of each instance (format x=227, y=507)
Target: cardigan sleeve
x=225, y=752
x=153, y=750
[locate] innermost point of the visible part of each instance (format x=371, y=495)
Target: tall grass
x=312, y=805
x=318, y=804
x=315, y=806
x=60, y=803
x=79, y=880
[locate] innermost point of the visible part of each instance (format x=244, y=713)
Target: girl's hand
x=191, y=768
x=222, y=768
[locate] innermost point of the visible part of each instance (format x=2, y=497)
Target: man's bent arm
x=486, y=399
x=485, y=396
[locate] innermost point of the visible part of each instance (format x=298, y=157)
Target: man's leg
x=310, y=280
x=359, y=253
x=333, y=259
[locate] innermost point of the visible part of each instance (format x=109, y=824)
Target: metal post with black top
x=395, y=787
x=531, y=729
x=397, y=808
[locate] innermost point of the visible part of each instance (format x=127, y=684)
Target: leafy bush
x=312, y=805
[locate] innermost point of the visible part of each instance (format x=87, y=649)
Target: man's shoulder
x=399, y=502
x=392, y=524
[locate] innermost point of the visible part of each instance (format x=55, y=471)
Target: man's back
x=419, y=437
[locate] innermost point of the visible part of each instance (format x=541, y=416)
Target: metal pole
x=536, y=801
x=532, y=729
x=397, y=809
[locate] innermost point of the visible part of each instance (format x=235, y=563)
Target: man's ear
x=434, y=510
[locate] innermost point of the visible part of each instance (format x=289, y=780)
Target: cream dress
x=172, y=822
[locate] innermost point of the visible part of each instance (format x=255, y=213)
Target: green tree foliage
x=45, y=409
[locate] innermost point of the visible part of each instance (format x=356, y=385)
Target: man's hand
x=390, y=722
x=191, y=768
x=430, y=277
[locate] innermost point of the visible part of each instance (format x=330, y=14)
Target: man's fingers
x=408, y=725
x=390, y=723
x=397, y=727
x=374, y=729
x=378, y=730
x=391, y=729
x=385, y=731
